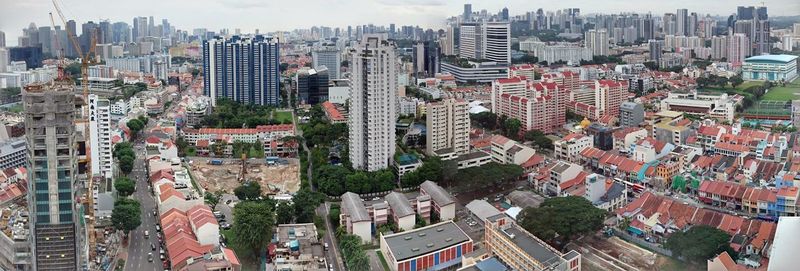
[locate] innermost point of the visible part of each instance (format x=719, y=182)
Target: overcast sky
x=271, y=15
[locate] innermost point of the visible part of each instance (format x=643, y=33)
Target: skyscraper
x=425, y=59
x=681, y=22
x=447, y=41
x=469, y=42
x=2, y=39
x=312, y=85
x=140, y=28
x=69, y=49
x=328, y=56
x=497, y=41
x=243, y=69
x=373, y=91
x=656, y=48
x=597, y=41
x=467, y=12
x=52, y=168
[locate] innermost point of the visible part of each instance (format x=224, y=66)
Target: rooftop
x=438, y=194
x=400, y=205
x=353, y=206
x=425, y=240
x=786, y=242
x=532, y=246
x=772, y=58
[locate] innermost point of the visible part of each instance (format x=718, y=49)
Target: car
x=225, y=226
x=326, y=246
x=161, y=257
x=146, y=234
x=153, y=246
x=228, y=201
x=150, y=257
x=158, y=228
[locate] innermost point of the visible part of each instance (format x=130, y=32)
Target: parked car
x=153, y=246
x=150, y=257
x=146, y=234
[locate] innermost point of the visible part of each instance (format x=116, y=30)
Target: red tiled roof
x=332, y=112
x=200, y=215
x=167, y=191
x=500, y=139
x=578, y=180
x=153, y=140
x=572, y=136
x=516, y=79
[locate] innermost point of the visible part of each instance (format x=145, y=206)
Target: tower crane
x=88, y=58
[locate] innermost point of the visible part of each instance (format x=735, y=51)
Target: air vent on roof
x=407, y=238
x=429, y=245
x=448, y=239
x=439, y=229
x=415, y=249
x=422, y=234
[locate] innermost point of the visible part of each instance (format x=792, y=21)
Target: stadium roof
x=773, y=58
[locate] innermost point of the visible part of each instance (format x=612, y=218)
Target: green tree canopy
x=562, y=216
x=284, y=213
x=135, y=125
x=126, y=215
x=124, y=186
x=248, y=191
x=700, y=243
x=212, y=199
x=253, y=223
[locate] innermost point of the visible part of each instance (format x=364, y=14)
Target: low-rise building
x=297, y=247
x=13, y=153
x=571, y=145
x=770, y=68
x=605, y=193
x=521, y=250
x=719, y=106
x=355, y=218
x=407, y=163
x=333, y=113
x=437, y=246
x=444, y=205
x=507, y=151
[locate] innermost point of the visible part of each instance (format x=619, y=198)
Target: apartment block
x=373, y=103
x=507, y=151
x=448, y=126
x=100, y=137
x=571, y=145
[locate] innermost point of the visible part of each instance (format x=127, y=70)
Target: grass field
x=282, y=116
x=780, y=93
x=738, y=89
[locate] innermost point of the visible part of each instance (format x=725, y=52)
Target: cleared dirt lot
x=277, y=179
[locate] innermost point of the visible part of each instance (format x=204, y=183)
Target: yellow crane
x=87, y=59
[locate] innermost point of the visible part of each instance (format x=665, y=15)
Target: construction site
x=613, y=253
x=227, y=174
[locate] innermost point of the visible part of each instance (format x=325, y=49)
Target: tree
x=736, y=81
x=284, y=213
x=563, y=217
x=486, y=120
x=305, y=203
x=533, y=134
x=144, y=119
x=699, y=243
x=248, y=191
x=358, y=183
x=354, y=256
x=511, y=128
x=135, y=125
x=253, y=222
x=212, y=199
x=126, y=215
x=125, y=186
x=126, y=164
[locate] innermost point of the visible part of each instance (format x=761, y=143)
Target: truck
x=215, y=162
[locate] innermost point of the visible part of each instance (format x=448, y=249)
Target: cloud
x=245, y=4
x=412, y=2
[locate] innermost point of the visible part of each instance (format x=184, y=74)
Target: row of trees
x=126, y=215
x=719, y=81
x=137, y=125
x=335, y=180
x=125, y=156
x=433, y=169
x=485, y=176
x=230, y=114
x=355, y=258
x=318, y=131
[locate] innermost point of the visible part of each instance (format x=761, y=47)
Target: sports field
x=784, y=93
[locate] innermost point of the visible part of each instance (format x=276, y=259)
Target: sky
x=272, y=15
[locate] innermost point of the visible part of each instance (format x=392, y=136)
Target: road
x=139, y=247
x=333, y=255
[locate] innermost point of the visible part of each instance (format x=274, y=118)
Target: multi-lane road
x=139, y=246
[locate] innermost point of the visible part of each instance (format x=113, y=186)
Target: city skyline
x=249, y=15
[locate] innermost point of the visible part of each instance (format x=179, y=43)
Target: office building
x=5, y=59
x=425, y=58
x=312, y=85
x=50, y=132
x=681, y=22
x=656, y=49
x=437, y=246
x=330, y=57
x=100, y=134
x=2, y=39
x=480, y=72
x=597, y=41
x=467, y=16
x=447, y=42
x=631, y=114
x=243, y=69
x=372, y=103
x=485, y=40
x=601, y=135
x=31, y=55
x=521, y=250
x=770, y=68
x=448, y=126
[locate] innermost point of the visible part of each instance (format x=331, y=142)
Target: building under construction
x=50, y=112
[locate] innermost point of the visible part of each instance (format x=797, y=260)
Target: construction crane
x=87, y=59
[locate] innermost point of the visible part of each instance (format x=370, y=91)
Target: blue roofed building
x=770, y=68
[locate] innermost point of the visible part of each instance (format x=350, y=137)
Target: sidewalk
x=122, y=253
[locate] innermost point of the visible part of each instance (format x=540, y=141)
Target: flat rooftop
x=786, y=242
x=539, y=251
x=406, y=245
